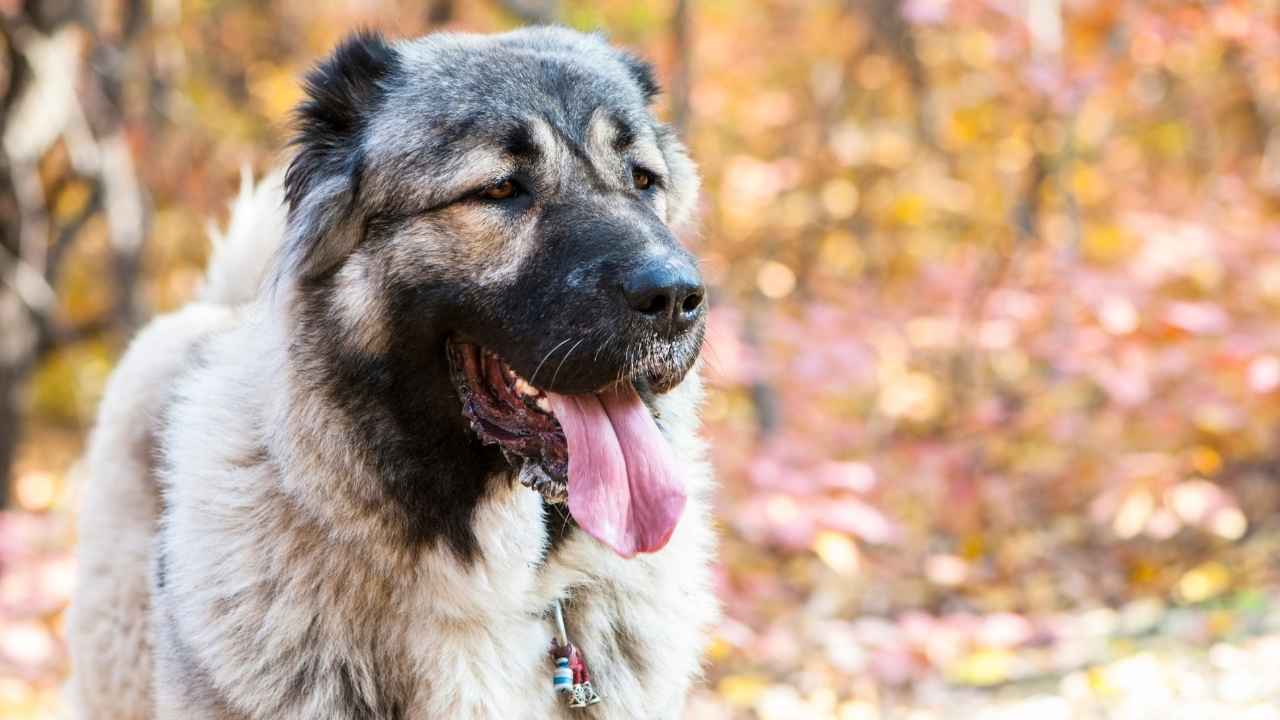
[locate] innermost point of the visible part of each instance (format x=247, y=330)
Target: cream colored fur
x=276, y=565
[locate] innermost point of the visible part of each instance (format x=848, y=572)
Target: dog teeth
x=544, y=404
x=524, y=388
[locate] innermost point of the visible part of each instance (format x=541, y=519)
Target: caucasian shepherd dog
x=438, y=387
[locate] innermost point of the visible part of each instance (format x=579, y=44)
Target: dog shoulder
x=108, y=621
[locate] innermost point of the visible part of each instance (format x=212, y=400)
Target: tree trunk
x=13, y=320
x=8, y=428
x=33, y=243
x=17, y=338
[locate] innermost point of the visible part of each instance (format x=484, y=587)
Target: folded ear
x=342, y=92
x=642, y=73
x=684, y=185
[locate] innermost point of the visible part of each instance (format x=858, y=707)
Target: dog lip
x=482, y=369
x=506, y=410
x=458, y=342
x=663, y=383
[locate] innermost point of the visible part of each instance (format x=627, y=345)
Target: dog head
x=480, y=234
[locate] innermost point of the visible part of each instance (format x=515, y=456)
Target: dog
x=437, y=399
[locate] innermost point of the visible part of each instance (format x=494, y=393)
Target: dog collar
x=571, y=677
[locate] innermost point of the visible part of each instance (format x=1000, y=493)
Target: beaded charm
x=571, y=677
x=564, y=674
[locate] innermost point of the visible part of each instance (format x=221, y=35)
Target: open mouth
x=505, y=410
x=600, y=451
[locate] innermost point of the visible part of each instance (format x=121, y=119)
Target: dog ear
x=642, y=73
x=323, y=179
x=683, y=197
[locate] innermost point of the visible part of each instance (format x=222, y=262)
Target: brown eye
x=501, y=191
x=642, y=179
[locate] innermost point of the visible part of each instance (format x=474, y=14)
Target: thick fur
x=287, y=516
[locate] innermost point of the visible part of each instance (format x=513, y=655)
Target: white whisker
x=556, y=374
x=601, y=347
x=533, y=380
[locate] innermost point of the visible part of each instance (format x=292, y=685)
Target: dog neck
x=394, y=444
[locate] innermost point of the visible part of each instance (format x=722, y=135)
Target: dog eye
x=643, y=179
x=504, y=190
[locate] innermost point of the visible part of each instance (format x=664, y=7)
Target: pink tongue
x=623, y=488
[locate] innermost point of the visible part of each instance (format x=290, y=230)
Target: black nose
x=668, y=291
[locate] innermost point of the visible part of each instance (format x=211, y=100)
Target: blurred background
x=995, y=351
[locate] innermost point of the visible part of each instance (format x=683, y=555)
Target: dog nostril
x=652, y=291
x=667, y=292
x=691, y=302
x=655, y=305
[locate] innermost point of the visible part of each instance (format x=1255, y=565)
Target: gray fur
x=261, y=537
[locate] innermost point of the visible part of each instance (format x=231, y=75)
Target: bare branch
x=33, y=214
x=895, y=35
x=681, y=73
x=54, y=337
x=27, y=282
x=533, y=12
x=126, y=223
x=67, y=235
x=440, y=12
